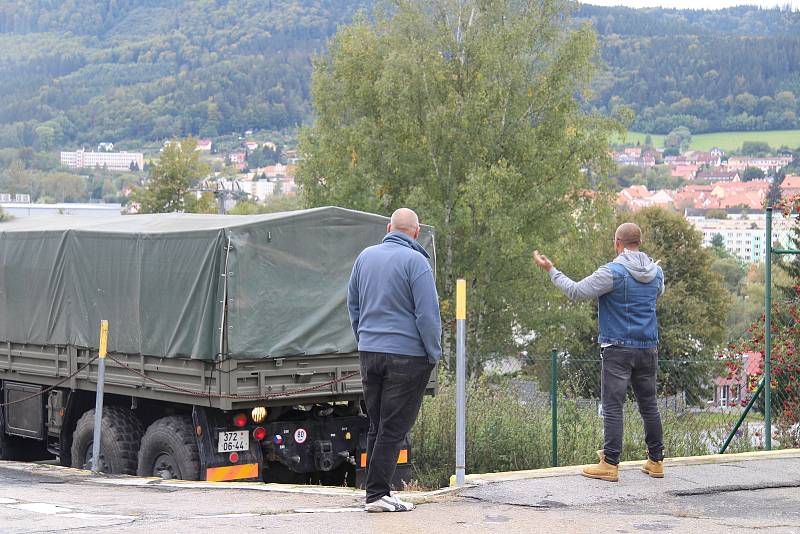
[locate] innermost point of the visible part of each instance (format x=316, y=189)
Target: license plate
x=234, y=441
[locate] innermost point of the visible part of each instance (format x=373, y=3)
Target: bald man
x=626, y=289
x=394, y=310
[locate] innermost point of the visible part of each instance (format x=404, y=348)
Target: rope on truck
x=48, y=389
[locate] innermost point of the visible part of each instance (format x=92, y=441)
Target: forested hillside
x=732, y=69
x=79, y=72
x=92, y=70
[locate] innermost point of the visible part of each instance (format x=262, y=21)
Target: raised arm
x=598, y=283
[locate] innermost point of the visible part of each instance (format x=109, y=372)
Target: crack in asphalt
x=102, y=528
x=732, y=488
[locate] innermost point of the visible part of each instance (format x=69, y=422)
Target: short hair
x=629, y=234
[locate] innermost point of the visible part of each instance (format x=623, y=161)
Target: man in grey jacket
x=626, y=289
x=394, y=310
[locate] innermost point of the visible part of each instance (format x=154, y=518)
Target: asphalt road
x=741, y=496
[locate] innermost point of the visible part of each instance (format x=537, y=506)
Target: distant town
x=721, y=196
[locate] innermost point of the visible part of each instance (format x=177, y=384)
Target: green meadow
x=727, y=141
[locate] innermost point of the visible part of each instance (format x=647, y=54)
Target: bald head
x=406, y=221
x=629, y=235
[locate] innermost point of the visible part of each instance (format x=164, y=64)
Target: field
x=727, y=141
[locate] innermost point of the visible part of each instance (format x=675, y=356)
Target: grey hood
x=641, y=266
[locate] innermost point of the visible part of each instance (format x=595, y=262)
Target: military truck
x=230, y=352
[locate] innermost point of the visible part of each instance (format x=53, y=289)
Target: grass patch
x=727, y=141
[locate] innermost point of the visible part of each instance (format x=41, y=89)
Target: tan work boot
x=653, y=468
x=603, y=470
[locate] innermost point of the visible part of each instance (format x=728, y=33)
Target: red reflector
x=234, y=457
x=240, y=419
x=260, y=433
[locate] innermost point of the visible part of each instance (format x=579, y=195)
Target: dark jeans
x=637, y=367
x=393, y=388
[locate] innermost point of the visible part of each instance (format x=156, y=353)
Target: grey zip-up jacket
x=640, y=265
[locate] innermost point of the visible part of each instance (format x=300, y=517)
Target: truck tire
x=120, y=436
x=169, y=450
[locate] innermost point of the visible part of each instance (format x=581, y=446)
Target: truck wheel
x=120, y=436
x=169, y=450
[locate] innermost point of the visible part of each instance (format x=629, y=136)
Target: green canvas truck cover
x=171, y=284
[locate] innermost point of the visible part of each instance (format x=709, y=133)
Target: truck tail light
x=234, y=457
x=240, y=420
x=260, y=433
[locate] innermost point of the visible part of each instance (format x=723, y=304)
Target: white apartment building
x=64, y=208
x=744, y=234
x=114, y=161
x=767, y=164
x=16, y=198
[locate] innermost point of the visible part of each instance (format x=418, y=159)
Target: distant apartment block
x=766, y=164
x=16, y=198
x=716, y=175
x=65, y=208
x=114, y=161
x=743, y=233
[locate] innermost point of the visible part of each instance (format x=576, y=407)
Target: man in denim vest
x=394, y=310
x=626, y=289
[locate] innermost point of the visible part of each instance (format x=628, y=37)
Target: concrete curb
x=487, y=478
x=417, y=497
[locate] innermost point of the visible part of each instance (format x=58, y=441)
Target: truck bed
x=227, y=385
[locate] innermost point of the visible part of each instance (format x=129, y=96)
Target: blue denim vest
x=627, y=314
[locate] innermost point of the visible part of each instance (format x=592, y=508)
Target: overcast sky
x=693, y=4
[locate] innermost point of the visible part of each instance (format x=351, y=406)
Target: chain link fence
x=510, y=417
x=785, y=376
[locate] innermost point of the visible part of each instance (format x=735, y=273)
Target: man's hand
x=542, y=261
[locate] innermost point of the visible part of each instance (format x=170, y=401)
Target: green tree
x=774, y=193
x=693, y=311
x=62, y=186
x=752, y=173
x=272, y=204
x=731, y=270
x=718, y=246
x=756, y=148
x=678, y=139
x=467, y=112
x=45, y=137
x=170, y=180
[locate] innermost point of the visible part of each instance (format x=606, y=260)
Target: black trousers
x=637, y=367
x=393, y=388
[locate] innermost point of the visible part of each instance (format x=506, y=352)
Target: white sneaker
x=389, y=503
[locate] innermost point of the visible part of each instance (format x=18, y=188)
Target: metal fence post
x=768, y=336
x=554, y=405
x=98, y=403
x=461, y=379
